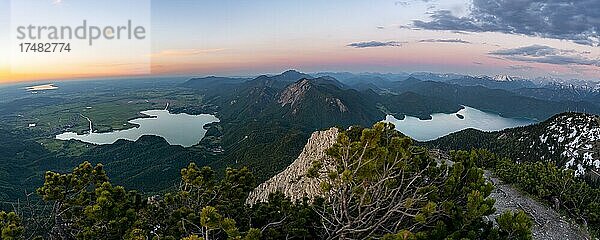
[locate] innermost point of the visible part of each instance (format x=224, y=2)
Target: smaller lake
x=41, y=87
x=178, y=129
x=443, y=124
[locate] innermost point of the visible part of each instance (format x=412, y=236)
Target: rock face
x=293, y=93
x=293, y=181
x=337, y=102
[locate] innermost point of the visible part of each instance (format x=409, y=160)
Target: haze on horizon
x=529, y=38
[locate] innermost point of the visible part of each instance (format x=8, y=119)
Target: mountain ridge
x=570, y=140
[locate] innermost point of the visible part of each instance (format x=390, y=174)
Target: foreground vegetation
x=556, y=186
x=380, y=186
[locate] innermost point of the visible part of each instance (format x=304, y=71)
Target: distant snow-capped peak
x=503, y=78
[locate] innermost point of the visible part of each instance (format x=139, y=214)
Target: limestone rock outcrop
x=293, y=181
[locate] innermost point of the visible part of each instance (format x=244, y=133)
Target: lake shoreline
x=177, y=129
x=442, y=124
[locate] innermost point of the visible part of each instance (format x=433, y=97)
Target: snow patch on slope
x=576, y=136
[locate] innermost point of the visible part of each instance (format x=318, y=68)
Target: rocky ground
x=548, y=224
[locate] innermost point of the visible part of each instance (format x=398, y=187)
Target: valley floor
x=548, y=224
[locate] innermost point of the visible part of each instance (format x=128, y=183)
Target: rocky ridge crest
x=293, y=182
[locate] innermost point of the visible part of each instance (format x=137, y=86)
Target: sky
x=529, y=38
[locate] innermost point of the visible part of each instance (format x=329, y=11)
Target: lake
x=178, y=129
x=41, y=87
x=443, y=124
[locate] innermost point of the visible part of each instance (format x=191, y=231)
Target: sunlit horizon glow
x=230, y=38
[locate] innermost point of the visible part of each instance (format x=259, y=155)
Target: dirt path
x=548, y=224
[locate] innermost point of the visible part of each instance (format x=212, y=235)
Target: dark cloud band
x=577, y=21
x=545, y=54
x=375, y=44
x=444, y=41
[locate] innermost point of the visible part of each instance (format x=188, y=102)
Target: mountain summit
x=290, y=76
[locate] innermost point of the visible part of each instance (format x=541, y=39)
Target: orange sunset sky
x=248, y=38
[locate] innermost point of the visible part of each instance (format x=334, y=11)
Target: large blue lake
x=187, y=130
x=178, y=129
x=443, y=124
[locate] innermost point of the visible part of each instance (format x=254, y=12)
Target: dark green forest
x=413, y=198
x=254, y=131
x=150, y=189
